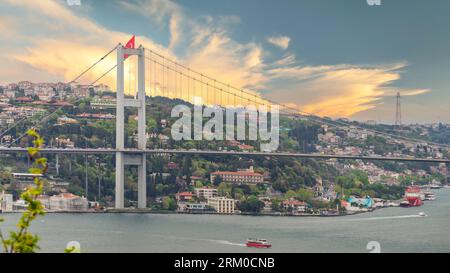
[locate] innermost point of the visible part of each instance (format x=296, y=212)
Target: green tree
x=23, y=241
x=169, y=203
x=252, y=204
x=305, y=194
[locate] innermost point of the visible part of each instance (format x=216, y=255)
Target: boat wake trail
x=223, y=242
x=227, y=243
x=386, y=217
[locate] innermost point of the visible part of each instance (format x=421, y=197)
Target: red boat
x=258, y=243
x=414, y=196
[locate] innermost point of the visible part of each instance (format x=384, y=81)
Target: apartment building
x=205, y=192
x=222, y=204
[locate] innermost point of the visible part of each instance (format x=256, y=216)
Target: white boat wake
x=387, y=217
x=223, y=242
x=227, y=242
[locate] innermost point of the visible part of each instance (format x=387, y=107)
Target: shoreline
x=152, y=211
x=149, y=211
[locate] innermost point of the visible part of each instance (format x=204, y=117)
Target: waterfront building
x=222, y=204
x=20, y=205
x=267, y=204
x=65, y=202
x=247, y=176
x=205, y=192
x=192, y=207
x=6, y=202
x=295, y=206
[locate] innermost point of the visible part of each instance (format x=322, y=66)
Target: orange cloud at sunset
x=340, y=91
x=62, y=43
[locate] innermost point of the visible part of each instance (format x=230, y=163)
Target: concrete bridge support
x=137, y=158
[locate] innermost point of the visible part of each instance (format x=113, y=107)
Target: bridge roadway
x=202, y=152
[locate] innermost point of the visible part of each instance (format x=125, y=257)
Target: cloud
x=158, y=11
x=61, y=43
x=279, y=41
x=338, y=90
x=286, y=60
x=415, y=92
x=7, y=25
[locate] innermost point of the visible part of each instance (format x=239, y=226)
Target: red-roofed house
x=294, y=205
x=23, y=100
x=246, y=147
x=184, y=196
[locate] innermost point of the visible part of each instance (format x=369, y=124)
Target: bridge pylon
x=138, y=158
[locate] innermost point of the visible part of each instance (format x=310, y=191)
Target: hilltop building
x=246, y=176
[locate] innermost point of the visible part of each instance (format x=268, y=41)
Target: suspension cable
x=297, y=111
x=74, y=80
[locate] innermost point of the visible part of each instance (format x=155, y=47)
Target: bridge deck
x=198, y=152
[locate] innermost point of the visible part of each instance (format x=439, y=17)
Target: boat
x=404, y=204
x=429, y=196
x=258, y=243
x=392, y=204
x=423, y=214
x=414, y=196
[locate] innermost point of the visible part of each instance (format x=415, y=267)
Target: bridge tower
x=398, y=111
x=135, y=158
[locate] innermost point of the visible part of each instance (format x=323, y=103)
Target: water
x=396, y=229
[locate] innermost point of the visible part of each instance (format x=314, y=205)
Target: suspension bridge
x=157, y=75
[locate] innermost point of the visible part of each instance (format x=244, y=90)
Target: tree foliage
x=23, y=241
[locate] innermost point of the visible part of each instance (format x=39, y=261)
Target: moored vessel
x=429, y=196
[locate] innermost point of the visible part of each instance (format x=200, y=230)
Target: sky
x=331, y=58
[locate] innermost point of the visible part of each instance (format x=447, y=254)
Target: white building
x=191, y=207
x=222, y=204
x=6, y=202
x=205, y=192
x=65, y=202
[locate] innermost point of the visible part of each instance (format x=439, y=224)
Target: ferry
x=258, y=243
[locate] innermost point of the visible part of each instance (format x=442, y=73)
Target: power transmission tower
x=398, y=111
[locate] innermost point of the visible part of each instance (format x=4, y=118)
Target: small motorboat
x=404, y=204
x=258, y=243
x=423, y=214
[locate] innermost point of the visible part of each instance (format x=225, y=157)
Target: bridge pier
x=137, y=158
x=120, y=180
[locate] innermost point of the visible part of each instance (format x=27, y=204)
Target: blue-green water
x=396, y=229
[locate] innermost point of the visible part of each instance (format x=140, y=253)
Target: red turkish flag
x=130, y=44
